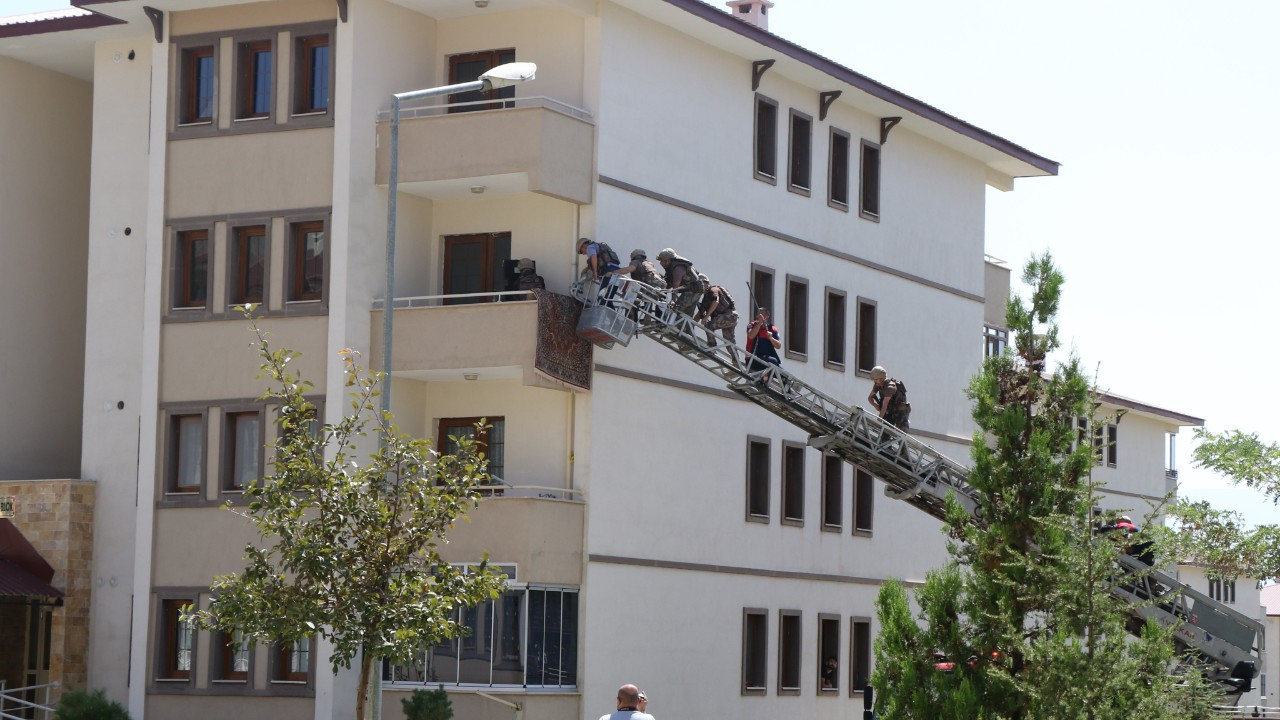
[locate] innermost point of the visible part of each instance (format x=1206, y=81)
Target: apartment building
x=656, y=528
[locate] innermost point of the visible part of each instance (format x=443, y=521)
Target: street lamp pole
x=499, y=77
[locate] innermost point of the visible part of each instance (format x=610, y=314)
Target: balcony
x=494, y=336
x=533, y=144
x=540, y=529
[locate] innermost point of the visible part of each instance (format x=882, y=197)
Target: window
x=198, y=73
x=859, y=654
x=832, y=492
x=473, y=264
x=766, y=140
x=312, y=65
x=524, y=637
x=254, y=80
x=833, y=339
x=242, y=454
x=762, y=287
x=789, y=642
x=792, y=483
x=758, y=479
x=186, y=453
x=468, y=67
x=797, y=336
x=800, y=153
x=176, y=641
x=491, y=440
x=870, y=197
x=1222, y=590
x=994, y=341
x=1113, y=432
x=838, y=171
x=866, y=335
x=1099, y=444
x=231, y=659
x=292, y=661
x=755, y=649
x=249, y=265
x=307, y=261
x=192, y=266
x=863, y=501
x=828, y=653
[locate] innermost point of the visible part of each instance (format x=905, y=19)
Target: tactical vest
x=726, y=300
x=646, y=274
x=692, y=280
x=606, y=254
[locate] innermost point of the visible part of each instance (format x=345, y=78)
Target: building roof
x=1175, y=418
x=23, y=572
x=17, y=582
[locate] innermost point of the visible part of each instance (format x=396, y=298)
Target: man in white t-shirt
x=628, y=702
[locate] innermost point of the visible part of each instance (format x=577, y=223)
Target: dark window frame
x=825, y=634
x=764, y=148
x=498, y=98
x=237, y=271
x=188, y=83
x=295, y=261
x=752, y=664
x=789, y=667
x=182, y=278
x=493, y=244
x=860, y=657
x=830, y=324
x=832, y=493
x=799, y=159
x=869, y=182
x=792, y=497
x=246, y=87
x=304, y=100
x=862, y=508
x=172, y=459
x=1113, y=438
x=994, y=340
x=220, y=662
x=763, y=299
x=481, y=437
x=838, y=170
x=795, y=343
x=281, y=655
x=227, y=483
x=754, y=490
x=168, y=610
x=865, y=340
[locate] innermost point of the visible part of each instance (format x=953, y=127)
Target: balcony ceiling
x=507, y=184
x=461, y=8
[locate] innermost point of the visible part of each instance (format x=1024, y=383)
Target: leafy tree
x=428, y=705
x=349, y=551
x=1022, y=620
x=83, y=705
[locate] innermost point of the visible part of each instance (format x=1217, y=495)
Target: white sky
x=1165, y=117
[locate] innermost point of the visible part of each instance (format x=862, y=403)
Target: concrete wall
x=44, y=200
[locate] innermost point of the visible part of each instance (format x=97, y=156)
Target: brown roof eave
x=864, y=83
x=62, y=24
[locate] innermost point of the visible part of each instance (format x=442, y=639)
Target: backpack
x=726, y=300
x=607, y=254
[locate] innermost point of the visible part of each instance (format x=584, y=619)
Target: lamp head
x=509, y=74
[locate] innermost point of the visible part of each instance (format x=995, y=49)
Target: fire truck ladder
x=1225, y=644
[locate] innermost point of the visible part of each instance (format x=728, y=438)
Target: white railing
x=500, y=488
x=440, y=300
x=9, y=700
x=541, y=101
x=1244, y=712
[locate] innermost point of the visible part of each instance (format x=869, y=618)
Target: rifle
x=755, y=311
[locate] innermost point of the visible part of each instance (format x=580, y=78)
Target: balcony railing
x=440, y=300
x=509, y=103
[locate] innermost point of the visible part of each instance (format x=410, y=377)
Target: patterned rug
x=561, y=355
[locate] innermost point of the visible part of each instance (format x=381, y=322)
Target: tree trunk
x=363, y=693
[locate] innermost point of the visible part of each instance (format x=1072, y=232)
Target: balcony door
x=474, y=264
x=468, y=67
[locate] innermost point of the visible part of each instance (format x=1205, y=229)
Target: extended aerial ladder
x=1225, y=644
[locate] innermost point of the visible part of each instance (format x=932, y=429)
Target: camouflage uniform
x=899, y=412
x=724, y=318
x=646, y=273
x=529, y=280
x=688, y=284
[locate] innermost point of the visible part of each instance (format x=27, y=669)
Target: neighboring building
x=1270, y=675
x=657, y=528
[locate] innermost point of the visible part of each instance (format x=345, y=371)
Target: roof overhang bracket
x=824, y=102
x=886, y=124
x=342, y=10
x=157, y=21
x=758, y=69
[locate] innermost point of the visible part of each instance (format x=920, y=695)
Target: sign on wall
x=8, y=506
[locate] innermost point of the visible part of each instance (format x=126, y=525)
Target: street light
x=499, y=77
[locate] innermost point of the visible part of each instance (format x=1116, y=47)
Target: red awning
x=23, y=572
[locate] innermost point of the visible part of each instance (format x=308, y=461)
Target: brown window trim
x=828, y=463
x=868, y=496
x=189, y=78
x=823, y=652
x=247, y=79
x=829, y=294
x=858, y=659
x=869, y=182
x=756, y=441
x=282, y=652
x=501, y=97
x=792, y=155
x=170, y=612
x=298, y=291
x=183, y=278
x=783, y=615
x=832, y=163
x=229, y=415
x=795, y=343
x=859, y=347
x=758, y=272
x=237, y=293
x=223, y=659
x=173, y=424
x=305, y=100
x=759, y=173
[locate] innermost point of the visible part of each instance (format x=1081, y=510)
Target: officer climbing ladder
x=1225, y=644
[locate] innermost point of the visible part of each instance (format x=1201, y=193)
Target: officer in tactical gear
x=527, y=278
x=683, y=278
x=643, y=270
x=889, y=398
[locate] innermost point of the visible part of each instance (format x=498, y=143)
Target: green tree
x=84, y=705
x=349, y=550
x=1023, y=614
x=428, y=705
